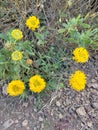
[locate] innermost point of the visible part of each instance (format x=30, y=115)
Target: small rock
x=93, y=80
x=40, y=119
x=16, y=121
x=28, y=128
x=25, y=123
x=51, y=113
x=64, y=103
x=7, y=124
x=4, y=89
x=35, y=128
x=95, y=105
x=89, y=124
x=35, y=110
x=94, y=85
x=60, y=116
x=25, y=104
x=58, y=104
x=42, y=126
x=81, y=111
x=1, y=122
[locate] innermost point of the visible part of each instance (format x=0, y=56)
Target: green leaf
x=40, y=42
x=85, y=25
x=62, y=30
x=3, y=36
x=64, y=25
x=38, y=35
x=24, y=66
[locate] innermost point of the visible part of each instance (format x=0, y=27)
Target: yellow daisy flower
x=32, y=22
x=17, y=34
x=36, y=84
x=77, y=80
x=16, y=55
x=15, y=88
x=80, y=55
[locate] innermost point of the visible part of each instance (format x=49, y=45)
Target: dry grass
x=14, y=13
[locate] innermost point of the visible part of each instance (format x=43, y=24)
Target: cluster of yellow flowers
x=32, y=23
x=36, y=83
x=77, y=80
x=17, y=87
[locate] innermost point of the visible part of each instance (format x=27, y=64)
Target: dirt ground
x=65, y=109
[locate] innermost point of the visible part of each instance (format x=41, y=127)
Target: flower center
x=16, y=88
x=17, y=34
x=16, y=55
x=33, y=22
x=36, y=83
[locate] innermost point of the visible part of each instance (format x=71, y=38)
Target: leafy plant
x=29, y=59
x=79, y=32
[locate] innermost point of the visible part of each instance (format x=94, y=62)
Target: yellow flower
x=80, y=55
x=17, y=34
x=16, y=55
x=77, y=80
x=36, y=84
x=15, y=88
x=32, y=22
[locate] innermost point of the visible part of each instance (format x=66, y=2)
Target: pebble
x=16, y=121
x=58, y=104
x=35, y=128
x=89, y=124
x=42, y=126
x=40, y=119
x=60, y=116
x=81, y=111
x=25, y=104
x=28, y=128
x=4, y=89
x=95, y=105
x=93, y=80
x=7, y=124
x=94, y=85
x=25, y=123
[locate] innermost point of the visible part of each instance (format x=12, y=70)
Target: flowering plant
x=16, y=60
x=25, y=68
x=31, y=65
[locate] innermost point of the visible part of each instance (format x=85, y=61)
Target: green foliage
x=41, y=36
x=10, y=69
x=45, y=63
x=79, y=32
